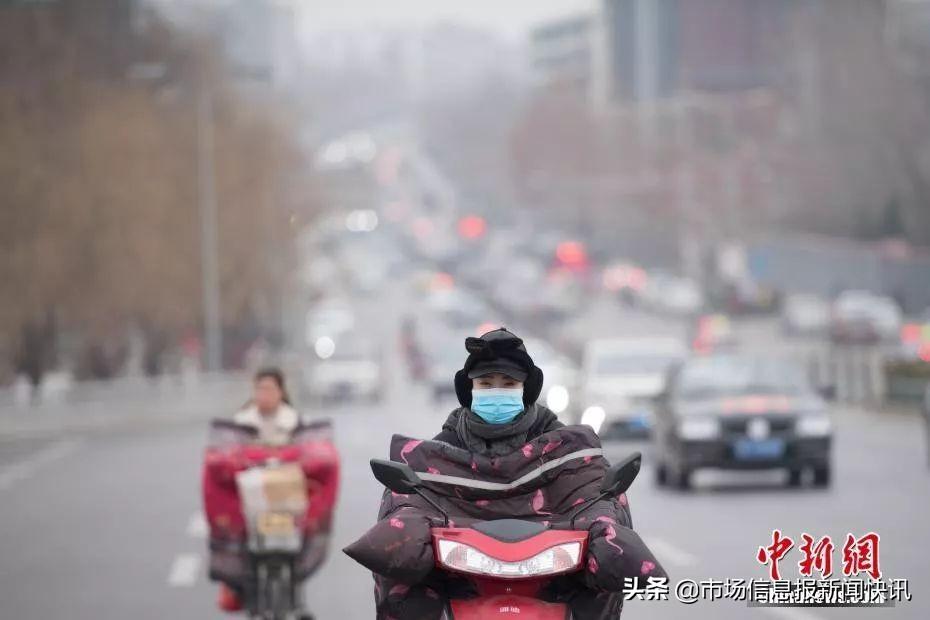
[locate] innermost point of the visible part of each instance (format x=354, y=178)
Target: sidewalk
x=127, y=402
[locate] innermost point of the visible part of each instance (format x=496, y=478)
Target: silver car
x=620, y=380
x=560, y=376
x=346, y=368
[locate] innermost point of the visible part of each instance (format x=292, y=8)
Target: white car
x=668, y=294
x=326, y=322
x=620, y=380
x=349, y=368
x=445, y=357
x=805, y=315
x=861, y=317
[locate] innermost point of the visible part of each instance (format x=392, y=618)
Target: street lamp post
x=209, y=245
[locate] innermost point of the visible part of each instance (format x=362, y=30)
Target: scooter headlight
x=552, y=561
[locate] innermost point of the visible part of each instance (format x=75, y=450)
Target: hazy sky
x=511, y=17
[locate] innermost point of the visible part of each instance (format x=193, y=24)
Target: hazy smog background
x=194, y=189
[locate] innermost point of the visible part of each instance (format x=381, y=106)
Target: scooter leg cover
x=398, y=546
x=616, y=552
x=221, y=506
x=397, y=601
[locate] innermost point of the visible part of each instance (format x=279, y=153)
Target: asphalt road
x=106, y=525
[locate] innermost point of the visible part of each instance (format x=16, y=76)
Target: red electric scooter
x=508, y=561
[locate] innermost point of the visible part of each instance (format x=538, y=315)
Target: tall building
x=651, y=49
x=561, y=53
x=731, y=45
x=260, y=40
x=641, y=51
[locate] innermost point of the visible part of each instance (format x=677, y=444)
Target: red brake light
x=472, y=227
x=925, y=352
x=910, y=333
x=571, y=253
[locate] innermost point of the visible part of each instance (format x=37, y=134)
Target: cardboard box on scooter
x=274, y=489
x=285, y=488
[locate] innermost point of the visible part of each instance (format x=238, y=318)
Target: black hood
x=497, y=344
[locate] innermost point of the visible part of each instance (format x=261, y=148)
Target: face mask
x=497, y=405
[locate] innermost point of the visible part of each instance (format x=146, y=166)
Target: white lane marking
x=666, y=551
x=197, y=526
x=27, y=467
x=790, y=613
x=184, y=570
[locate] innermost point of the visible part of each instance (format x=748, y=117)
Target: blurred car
x=620, y=379
x=741, y=412
x=345, y=368
x=366, y=271
x=320, y=274
x=517, y=287
x=668, y=294
x=560, y=375
x=561, y=296
x=805, y=315
x=444, y=359
x=516, y=298
x=329, y=319
x=460, y=309
x=712, y=333
x=861, y=317
x=626, y=280
x=746, y=296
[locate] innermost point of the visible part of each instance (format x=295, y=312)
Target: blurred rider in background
x=269, y=411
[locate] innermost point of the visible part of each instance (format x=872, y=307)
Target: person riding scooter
x=500, y=455
x=266, y=432
x=269, y=411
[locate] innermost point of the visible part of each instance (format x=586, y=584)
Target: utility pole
x=688, y=247
x=209, y=245
x=646, y=82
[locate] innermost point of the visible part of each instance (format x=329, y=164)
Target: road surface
x=107, y=526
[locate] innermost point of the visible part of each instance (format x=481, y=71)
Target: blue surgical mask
x=497, y=405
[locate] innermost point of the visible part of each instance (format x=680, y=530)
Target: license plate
x=751, y=449
x=276, y=524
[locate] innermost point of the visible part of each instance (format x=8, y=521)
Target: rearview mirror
x=619, y=477
x=398, y=477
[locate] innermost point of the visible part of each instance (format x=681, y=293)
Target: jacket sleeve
x=615, y=551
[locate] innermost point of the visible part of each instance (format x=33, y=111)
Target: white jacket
x=275, y=429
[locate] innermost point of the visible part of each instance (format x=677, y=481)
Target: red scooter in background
x=269, y=509
x=509, y=561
